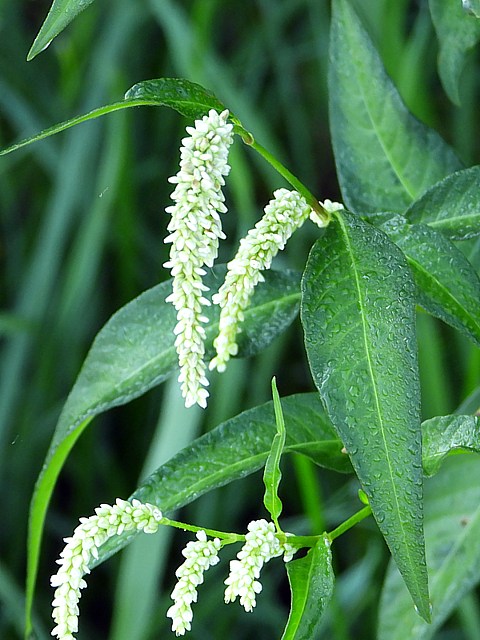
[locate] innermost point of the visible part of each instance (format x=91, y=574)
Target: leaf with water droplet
x=311, y=582
x=452, y=532
x=358, y=315
x=235, y=449
x=61, y=13
x=444, y=436
x=451, y=206
x=448, y=286
x=385, y=157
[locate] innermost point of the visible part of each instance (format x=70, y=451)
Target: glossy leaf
x=385, y=157
x=359, y=321
x=133, y=353
x=452, y=532
x=446, y=435
x=447, y=285
x=272, y=473
x=61, y=13
x=451, y=206
x=311, y=582
x=235, y=449
x=472, y=7
x=188, y=98
x=457, y=31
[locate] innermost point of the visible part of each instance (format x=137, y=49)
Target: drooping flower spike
x=82, y=547
x=285, y=213
x=261, y=545
x=200, y=555
x=195, y=230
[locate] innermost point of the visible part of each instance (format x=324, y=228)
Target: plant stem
x=312, y=201
x=348, y=524
x=228, y=538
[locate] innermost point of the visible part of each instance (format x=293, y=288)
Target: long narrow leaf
x=451, y=206
x=359, y=321
x=188, y=98
x=452, y=531
x=234, y=450
x=385, y=157
x=448, y=287
x=311, y=582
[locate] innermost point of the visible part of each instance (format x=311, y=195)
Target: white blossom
x=287, y=211
x=330, y=207
x=82, y=547
x=195, y=229
x=200, y=555
x=261, y=545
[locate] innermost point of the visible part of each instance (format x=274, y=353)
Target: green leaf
x=451, y=206
x=452, y=532
x=235, y=449
x=135, y=352
x=61, y=13
x=272, y=473
x=358, y=315
x=446, y=435
x=447, y=285
x=311, y=582
x=385, y=157
x=457, y=33
x=188, y=98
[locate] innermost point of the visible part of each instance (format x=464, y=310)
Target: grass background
x=82, y=225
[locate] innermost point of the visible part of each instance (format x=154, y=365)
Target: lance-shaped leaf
x=311, y=583
x=457, y=33
x=447, y=285
x=447, y=435
x=133, y=353
x=385, y=157
x=452, y=532
x=358, y=315
x=451, y=206
x=235, y=449
x=61, y=13
x=272, y=473
x=188, y=98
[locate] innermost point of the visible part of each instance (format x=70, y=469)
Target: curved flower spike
x=261, y=545
x=200, y=555
x=90, y=534
x=283, y=215
x=195, y=229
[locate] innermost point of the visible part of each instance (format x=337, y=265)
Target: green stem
x=227, y=538
x=348, y=524
x=312, y=201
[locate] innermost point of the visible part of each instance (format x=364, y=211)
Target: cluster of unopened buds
x=195, y=230
x=262, y=543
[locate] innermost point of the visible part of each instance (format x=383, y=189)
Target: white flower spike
x=283, y=215
x=200, y=555
x=261, y=545
x=195, y=229
x=83, y=546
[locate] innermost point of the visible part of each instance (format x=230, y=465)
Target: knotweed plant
x=263, y=541
x=397, y=244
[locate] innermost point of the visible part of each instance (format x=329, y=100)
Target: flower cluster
x=82, y=547
x=195, y=230
x=261, y=545
x=200, y=555
x=283, y=215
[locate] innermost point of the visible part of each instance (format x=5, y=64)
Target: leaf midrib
x=374, y=385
